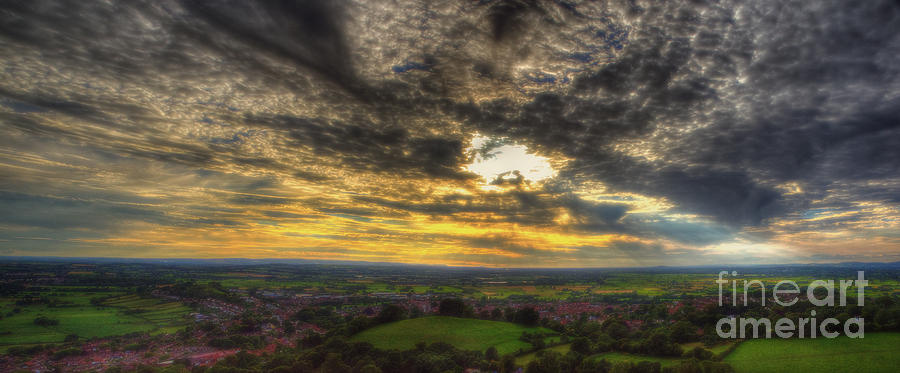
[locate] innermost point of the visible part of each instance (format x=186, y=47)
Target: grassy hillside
x=523, y=360
x=877, y=352
x=468, y=334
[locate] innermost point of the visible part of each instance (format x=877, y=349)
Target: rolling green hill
x=467, y=334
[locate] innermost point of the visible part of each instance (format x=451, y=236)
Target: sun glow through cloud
x=500, y=160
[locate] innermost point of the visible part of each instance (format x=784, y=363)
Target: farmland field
x=158, y=312
x=467, y=334
x=523, y=360
x=877, y=352
x=76, y=316
x=614, y=357
x=717, y=349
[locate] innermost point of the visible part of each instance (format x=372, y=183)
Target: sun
x=501, y=161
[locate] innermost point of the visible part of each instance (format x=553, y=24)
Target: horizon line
x=449, y=266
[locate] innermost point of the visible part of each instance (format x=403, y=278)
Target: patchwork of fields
x=164, y=315
x=121, y=314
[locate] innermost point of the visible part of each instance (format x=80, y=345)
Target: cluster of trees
x=336, y=355
x=536, y=339
x=613, y=334
x=527, y=316
x=66, y=352
x=322, y=316
x=455, y=307
x=45, y=321
x=238, y=341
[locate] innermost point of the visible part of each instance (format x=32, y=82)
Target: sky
x=467, y=133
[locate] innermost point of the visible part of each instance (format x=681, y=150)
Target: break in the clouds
x=507, y=133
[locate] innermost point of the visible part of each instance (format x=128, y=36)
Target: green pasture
x=717, y=349
x=615, y=357
x=877, y=352
x=523, y=360
x=119, y=315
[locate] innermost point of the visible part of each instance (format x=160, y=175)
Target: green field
x=614, y=357
x=160, y=313
x=877, y=352
x=120, y=315
x=717, y=349
x=467, y=334
x=523, y=360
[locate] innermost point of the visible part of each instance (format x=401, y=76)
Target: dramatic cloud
x=509, y=133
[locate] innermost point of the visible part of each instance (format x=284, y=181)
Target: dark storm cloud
x=814, y=106
x=538, y=208
x=368, y=146
x=307, y=33
x=731, y=197
x=736, y=114
x=689, y=233
x=25, y=210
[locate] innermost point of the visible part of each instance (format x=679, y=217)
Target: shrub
x=391, y=313
x=66, y=352
x=452, y=307
x=527, y=316
x=45, y=321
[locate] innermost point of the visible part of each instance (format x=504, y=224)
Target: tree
x=527, y=316
x=311, y=339
x=45, y=321
x=334, y=364
x=370, y=368
x=391, y=313
x=701, y=353
x=582, y=346
x=546, y=362
x=452, y=307
x=509, y=313
x=683, y=332
x=496, y=314
x=491, y=354
x=594, y=366
x=658, y=343
x=289, y=327
x=507, y=364
x=615, y=328
x=242, y=360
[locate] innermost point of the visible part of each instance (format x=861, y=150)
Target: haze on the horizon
x=495, y=133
